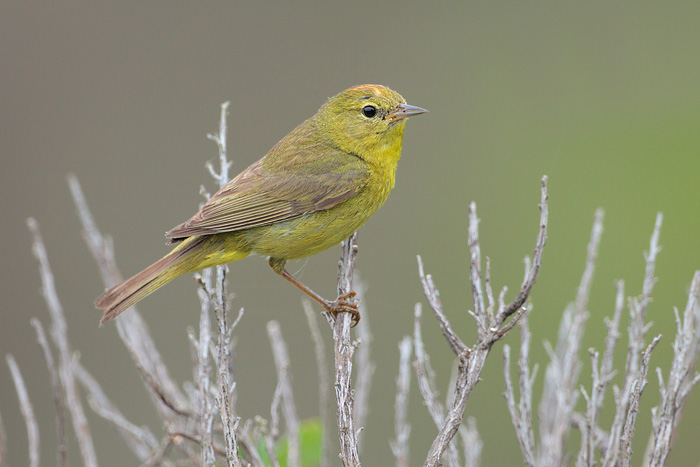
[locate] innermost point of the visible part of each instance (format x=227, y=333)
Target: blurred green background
x=603, y=97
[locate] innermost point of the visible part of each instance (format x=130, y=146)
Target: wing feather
x=299, y=181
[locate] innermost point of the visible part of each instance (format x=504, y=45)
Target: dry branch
x=139, y=439
x=636, y=330
x=27, y=409
x=601, y=376
x=273, y=432
x=635, y=396
x=426, y=383
x=58, y=397
x=681, y=380
x=291, y=420
x=365, y=366
x=472, y=444
x=556, y=409
x=344, y=350
x=190, y=418
x=324, y=381
x=205, y=403
x=131, y=328
x=521, y=412
x=402, y=429
x=490, y=328
x=59, y=333
x=559, y=395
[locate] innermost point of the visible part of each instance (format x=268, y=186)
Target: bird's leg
x=344, y=303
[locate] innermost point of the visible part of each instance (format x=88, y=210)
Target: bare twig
x=140, y=440
x=158, y=457
x=177, y=438
x=399, y=447
x=521, y=413
x=453, y=418
x=635, y=396
x=27, y=411
x=324, y=382
x=637, y=328
x=225, y=379
x=531, y=277
x=161, y=394
x=132, y=329
x=490, y=329
x=584, y=288
x=273, y=432
x=464, y=434
x=206, y=405
x=365, y=366
x=650, y=257
x=195, y=439
x=681, y=378
x=426, y=383
x=613, y=325
x=586, y=455
x=281, y=355
x=433, y=296
x=344, y=350
x=479, y=314
x=489, y=291
x=220, y=139
x=559, y=395
x=213, y=296
x=472, y=444
x=248, y=447
x=59, y=333
x=451, y=385
x=58, y=398
x=601, y=377
x=177, y=412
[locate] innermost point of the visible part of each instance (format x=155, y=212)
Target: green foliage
x=310, y=433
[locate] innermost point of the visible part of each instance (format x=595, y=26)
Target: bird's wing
x=266, y=193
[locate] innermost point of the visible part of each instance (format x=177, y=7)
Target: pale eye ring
x=369, y=111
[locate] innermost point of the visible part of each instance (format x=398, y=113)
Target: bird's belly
x=310, y=233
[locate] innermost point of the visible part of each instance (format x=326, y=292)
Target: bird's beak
x=405, y=111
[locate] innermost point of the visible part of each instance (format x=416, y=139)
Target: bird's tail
x=186, y=257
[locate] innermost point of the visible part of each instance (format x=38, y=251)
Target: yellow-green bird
x=313, y=189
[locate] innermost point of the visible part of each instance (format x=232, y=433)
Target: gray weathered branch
x=324, y=381
x=365, y=366
x=291, y=420
x=402, y=429
x=58, y=396
x=559, y=395
x=27, y=409
x=681, y=379
x=490, y=328
x=59, y=333
x=344, y=350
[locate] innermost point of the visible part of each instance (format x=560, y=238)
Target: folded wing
x=267, y=193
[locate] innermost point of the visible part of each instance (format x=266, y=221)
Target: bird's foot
x=345, y=303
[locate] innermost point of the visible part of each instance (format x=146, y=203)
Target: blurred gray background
x=602, y=97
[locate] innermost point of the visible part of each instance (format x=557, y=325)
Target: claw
x=345, y=304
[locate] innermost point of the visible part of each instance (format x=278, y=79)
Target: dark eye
x=369, y=111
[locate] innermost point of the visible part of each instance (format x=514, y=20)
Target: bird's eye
x=369, y=111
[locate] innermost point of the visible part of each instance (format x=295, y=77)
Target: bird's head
x=367, y=120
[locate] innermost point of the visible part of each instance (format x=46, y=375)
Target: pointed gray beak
x=405, y=111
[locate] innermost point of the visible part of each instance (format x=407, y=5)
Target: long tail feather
x=134, y=289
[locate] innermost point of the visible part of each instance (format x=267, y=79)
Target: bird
x=314, y=188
